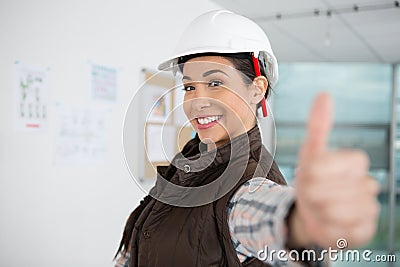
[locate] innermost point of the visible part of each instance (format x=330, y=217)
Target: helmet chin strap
x=258, y=73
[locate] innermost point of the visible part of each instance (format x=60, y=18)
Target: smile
x=207, y=120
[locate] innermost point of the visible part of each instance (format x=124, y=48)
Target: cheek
x=186, y=106
x=236, y=106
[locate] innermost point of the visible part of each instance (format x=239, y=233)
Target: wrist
x=297, y=236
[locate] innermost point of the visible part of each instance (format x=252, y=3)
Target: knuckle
x=370, y=230
x=376, y=209
x=362, y=158
x=359, y=235
x=374, y=186
x=316, y=199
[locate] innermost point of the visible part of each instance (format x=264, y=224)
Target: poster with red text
x=30, y=98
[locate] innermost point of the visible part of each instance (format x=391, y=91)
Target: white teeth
x=207, y=120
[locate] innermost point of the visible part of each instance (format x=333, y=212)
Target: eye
x=214, y=83
x=188, y=88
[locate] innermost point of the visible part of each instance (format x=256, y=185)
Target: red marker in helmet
x=258, y=73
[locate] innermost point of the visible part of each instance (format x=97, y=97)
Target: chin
x=207, y=140
x=213, y=140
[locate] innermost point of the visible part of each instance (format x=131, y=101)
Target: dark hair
x=243, y=62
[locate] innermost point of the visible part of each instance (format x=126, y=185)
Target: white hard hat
x=223, y=31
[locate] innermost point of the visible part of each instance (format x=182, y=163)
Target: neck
x=212, y=145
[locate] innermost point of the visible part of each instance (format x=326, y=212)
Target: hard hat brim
x=171, y=63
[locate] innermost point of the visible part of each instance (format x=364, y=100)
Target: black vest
x=183, y=235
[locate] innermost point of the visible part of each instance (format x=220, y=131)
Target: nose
x=201, y=100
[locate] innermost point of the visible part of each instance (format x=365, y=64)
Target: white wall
x=54, y=215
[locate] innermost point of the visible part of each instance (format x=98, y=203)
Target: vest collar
x=205, y=161
x=202, y=177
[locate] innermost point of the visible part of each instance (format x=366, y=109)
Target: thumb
x=318, y=126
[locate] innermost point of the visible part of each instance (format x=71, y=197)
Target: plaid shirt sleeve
x=256, y=219
x=122, y=260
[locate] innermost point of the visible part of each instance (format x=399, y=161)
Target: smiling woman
x=246, y=206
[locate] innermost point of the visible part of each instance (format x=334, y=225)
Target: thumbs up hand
x=335, y=197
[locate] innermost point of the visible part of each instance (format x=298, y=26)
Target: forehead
x=204, y=63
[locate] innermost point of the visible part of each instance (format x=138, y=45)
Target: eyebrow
x=207, y=73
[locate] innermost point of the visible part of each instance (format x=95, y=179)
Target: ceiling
x=371, y=34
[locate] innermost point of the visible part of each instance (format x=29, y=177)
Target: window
x=362, y=95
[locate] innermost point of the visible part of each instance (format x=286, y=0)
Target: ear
x=258, y=89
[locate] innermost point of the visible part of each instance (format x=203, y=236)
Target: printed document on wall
x=30, y=97
x=103, y=83
x=82, y=135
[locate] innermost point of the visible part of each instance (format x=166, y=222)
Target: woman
x=228, y=69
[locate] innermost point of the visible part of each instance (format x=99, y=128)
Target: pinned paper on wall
x=159, y=147
x=160, y=100
x=103, y=82
x=31, y=90
x=81, y=135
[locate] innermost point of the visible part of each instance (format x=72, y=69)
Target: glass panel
x=397, y=168
x=289, y=140
x=397, y=230
x=361, y=91
x=362, y=94
x=372, y=140
x=397, y=177
x=381, y=237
